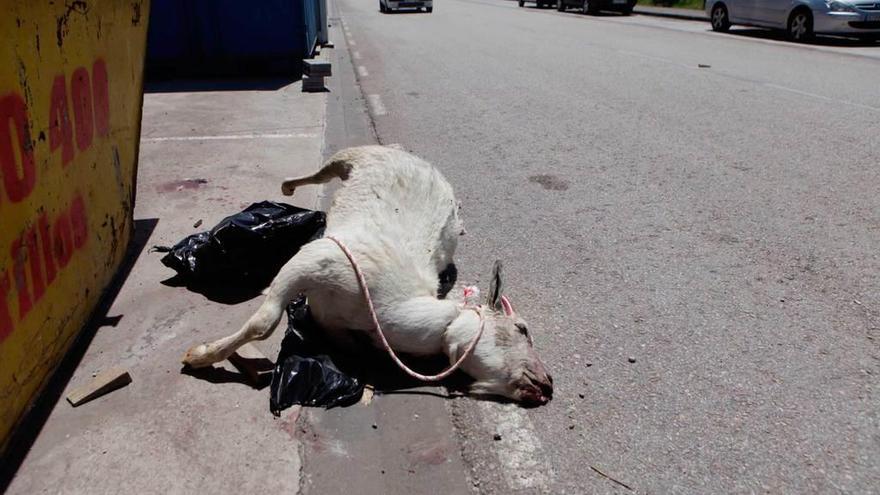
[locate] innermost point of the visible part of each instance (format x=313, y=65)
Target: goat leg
x=330, y=170
x=289, y=282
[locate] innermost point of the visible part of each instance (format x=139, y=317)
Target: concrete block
x=312, y=83
x=317, y=67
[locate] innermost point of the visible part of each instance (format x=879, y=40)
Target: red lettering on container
x=78, y=222
x=5, y=318
x=60, y=128
x=101, y=96
x=34, y=269
x=81, y=91
x=38, y=286
x=62, y=240
x=18, y=254
x=18, y=181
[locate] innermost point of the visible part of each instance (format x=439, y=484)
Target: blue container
x=220, y=37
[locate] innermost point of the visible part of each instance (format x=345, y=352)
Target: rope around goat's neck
x=427, y=378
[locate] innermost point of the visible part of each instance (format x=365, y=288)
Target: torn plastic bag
x=303, y=375
x=246, y=247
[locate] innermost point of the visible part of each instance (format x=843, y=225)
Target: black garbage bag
x=246, y=248
x=303, y=374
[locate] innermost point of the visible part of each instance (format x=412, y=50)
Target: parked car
x=540, y=3
x=800, y=18
x=392, y=5
x=593, y=7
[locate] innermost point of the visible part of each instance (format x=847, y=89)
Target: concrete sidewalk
x=206, y=152
x=675, y=13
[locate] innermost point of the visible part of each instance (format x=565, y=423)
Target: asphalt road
x=704, y=205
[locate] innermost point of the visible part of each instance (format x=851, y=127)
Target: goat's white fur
x=398, y=216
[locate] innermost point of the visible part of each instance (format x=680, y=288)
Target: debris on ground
x=181, y=185
x=594, y=468
x=245, y=247
x=253, y=364
x=631, y=359
x=367, y=397
x=303, y=374
x=102, y=383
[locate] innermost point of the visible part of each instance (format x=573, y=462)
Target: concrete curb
x=685, y=14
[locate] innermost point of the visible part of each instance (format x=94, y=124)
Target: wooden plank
x=103, y=383
x=367, y=397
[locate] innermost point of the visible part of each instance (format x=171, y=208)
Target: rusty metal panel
x=70, y=108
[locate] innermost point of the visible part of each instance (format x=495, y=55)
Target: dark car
x=593, y=7
x=540, y=3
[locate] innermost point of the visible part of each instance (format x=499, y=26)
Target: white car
x=392, y=5
x=799, y=18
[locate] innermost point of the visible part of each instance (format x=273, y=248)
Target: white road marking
x=376, y=105
x=356, y=55
x=519, y=450
x=362, y=71
x=299, y=135
x=351, y=42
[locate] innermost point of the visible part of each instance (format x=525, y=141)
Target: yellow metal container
x=70, y=111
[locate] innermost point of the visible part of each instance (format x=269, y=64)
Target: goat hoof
x=197, y=357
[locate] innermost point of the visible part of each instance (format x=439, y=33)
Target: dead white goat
x=399, y=218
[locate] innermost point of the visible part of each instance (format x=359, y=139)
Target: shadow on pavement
x=159, y=85
x=23, y=437
x=819, y=40
x=410, y=11
x=375, y=368
x=222, y=293
x=577, y=10
x=217, y=375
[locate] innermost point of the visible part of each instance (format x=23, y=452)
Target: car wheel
x=800, y=25
x=628, y=10
x=382, y=7
x=560, y=5
x=590, y=7
x=720, y=19
x=429, y=9
x=521, y=3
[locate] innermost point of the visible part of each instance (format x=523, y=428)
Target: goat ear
x=493, y=298
x=508, y=308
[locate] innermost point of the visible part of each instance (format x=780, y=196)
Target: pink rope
x=427, y=378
